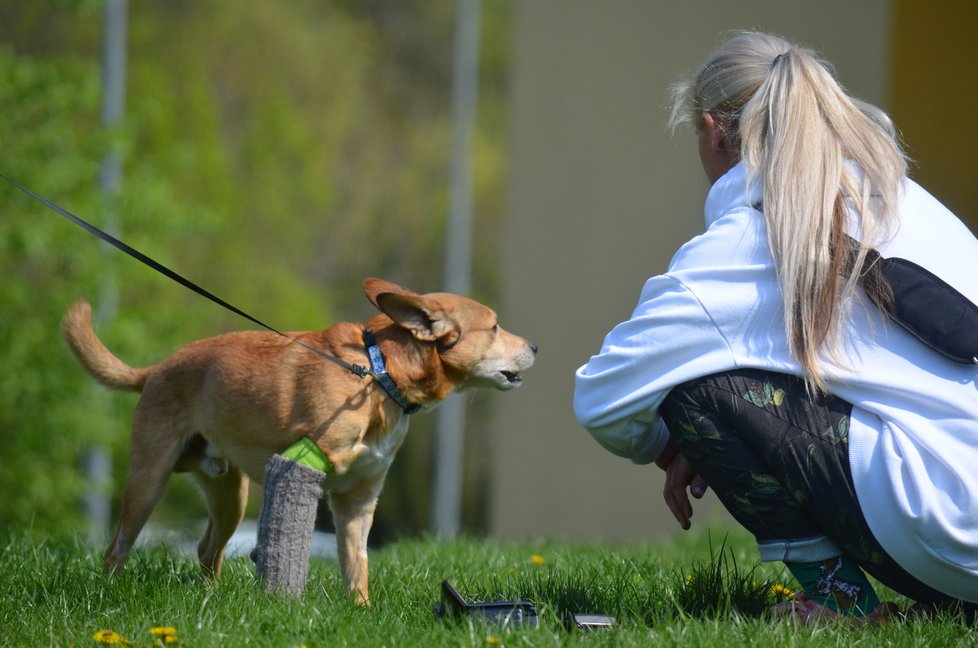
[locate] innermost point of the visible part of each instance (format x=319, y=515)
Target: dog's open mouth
x=512, y=377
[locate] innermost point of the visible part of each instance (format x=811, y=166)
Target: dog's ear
x=373, y=287
x=425, y=321
x=423, y=318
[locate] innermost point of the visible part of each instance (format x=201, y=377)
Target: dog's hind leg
x=226, y=497
x=148, y=475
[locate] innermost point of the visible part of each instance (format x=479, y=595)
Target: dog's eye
x=495, y=328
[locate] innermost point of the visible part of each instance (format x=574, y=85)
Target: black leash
x=355, y=369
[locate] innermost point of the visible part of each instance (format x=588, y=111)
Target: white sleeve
x=668, y=340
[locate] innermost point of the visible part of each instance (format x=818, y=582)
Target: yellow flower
x=537, y=559
x=106, y=637
x=780, y=590
x=165, y=635
x=493, y=640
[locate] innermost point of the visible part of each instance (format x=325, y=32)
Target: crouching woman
x=763, y=365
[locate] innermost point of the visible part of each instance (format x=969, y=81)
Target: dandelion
x=780, y=590
x=537, y=559
x=165, y=635
x=493, y=640
x=109, y=637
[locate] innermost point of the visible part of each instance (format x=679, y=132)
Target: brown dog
x=221, y=407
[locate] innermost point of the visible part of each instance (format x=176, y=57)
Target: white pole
x=98, y=462
x=450, y=437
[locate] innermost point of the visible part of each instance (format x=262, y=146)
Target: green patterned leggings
x=777, y=457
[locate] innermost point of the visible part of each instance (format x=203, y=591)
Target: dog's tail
x=94, y=356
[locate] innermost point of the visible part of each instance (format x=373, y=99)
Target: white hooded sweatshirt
x=913, y=437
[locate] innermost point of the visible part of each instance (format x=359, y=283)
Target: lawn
x=703, y=589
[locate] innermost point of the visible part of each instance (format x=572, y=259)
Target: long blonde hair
x=781, y=106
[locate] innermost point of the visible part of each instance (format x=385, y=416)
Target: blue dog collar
x=378, y=370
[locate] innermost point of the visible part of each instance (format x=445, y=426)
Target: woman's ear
x=717, y=134
x=716, y=153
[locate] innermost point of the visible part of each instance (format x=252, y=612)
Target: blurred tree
x=45, y=110
x=276, y=153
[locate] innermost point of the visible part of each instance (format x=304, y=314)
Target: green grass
x=699, y=590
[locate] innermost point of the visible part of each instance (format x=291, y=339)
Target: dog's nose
x=533, y=347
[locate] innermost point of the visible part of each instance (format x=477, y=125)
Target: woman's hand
x=680, y=475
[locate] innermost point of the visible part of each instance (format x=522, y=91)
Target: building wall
x=600, y=197
x=932, y=97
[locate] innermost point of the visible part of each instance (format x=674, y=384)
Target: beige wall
x=932, y=97
x=599, y=199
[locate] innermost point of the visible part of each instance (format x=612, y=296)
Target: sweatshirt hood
x=732, y=190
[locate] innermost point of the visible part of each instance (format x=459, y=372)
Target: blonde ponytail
x=827, y=163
